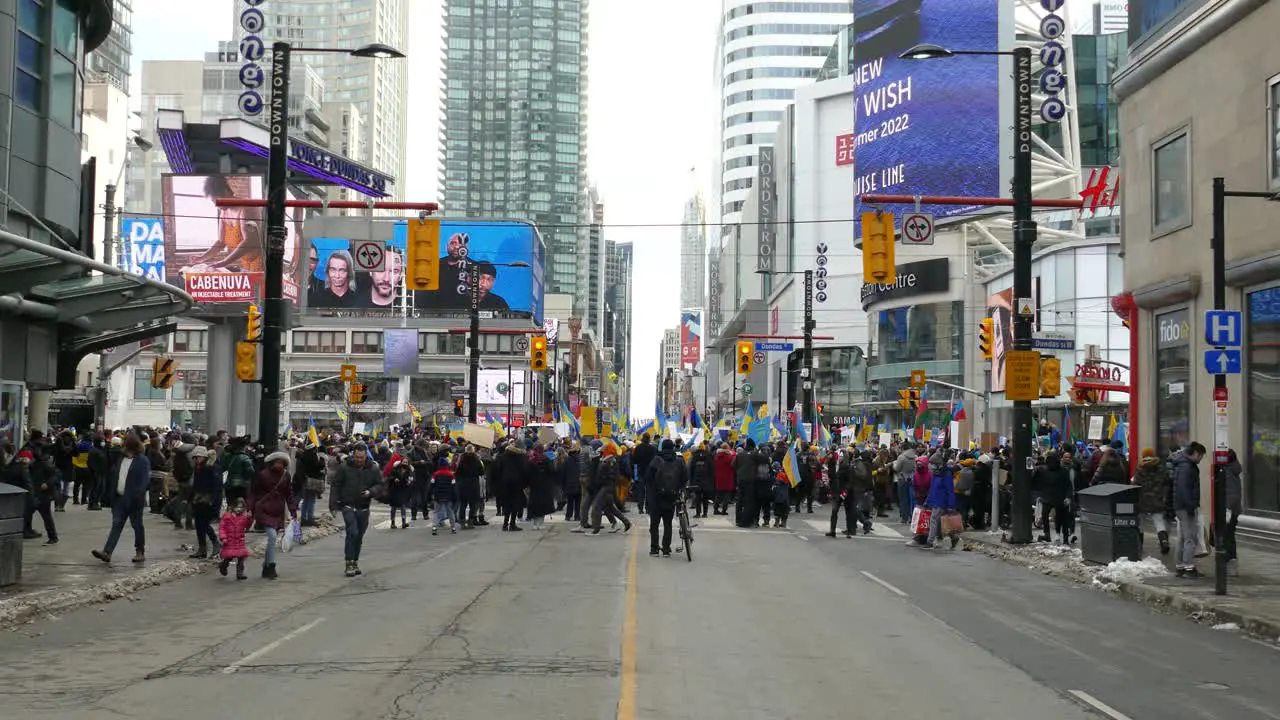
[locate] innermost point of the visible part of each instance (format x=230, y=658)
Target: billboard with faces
x=333, y=284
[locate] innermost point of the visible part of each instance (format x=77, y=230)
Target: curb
x=1198, y=611
x=48, y=604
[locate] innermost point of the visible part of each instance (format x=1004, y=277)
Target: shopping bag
x=952, y=524
x=291, y=537
x=920, y=518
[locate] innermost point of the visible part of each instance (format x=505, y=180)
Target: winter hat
x=25, y=456
x=985, y=459
x=1148, y=452
x=199, y=452
x=117, y=441
x=277, y=455
x=668, y=445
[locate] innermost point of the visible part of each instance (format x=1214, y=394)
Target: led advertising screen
x=216, y=254
x=142, y=247
x=690, y=337
x=928, y=127
x=336, y=286
x=498, y=387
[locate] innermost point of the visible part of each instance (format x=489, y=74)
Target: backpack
x=667, y=479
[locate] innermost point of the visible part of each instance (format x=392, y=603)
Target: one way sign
x=1222, y=362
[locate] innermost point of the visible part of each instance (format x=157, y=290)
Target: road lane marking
x=627, y=693
x=883, y=584
x=1098, y=705
x=799, y=536
x=233, y=667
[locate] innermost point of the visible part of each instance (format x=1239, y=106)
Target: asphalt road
x=764, y=624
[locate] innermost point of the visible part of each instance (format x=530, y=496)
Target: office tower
x=592, y=254
x=515, y=130
x=764, y=51
x=617, y=302
x=110, y=61
x=379, y=89
x=693, y=254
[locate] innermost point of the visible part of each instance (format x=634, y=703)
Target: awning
x=49, y=284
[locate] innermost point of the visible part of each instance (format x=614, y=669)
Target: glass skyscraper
x=515, y=124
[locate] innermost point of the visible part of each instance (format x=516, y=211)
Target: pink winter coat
x=231, y=531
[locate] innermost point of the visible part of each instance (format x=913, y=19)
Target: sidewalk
x=62, y=577
x=1252, y=601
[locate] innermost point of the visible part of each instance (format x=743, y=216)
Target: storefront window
x=142, y=389
x=921, y=333
x=190, y=385
x=327, y=391
x=1262, y=472
x=1173, y=381
x=11, y=414
x=427, y=389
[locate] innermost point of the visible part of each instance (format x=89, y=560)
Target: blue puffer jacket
x=942, y=491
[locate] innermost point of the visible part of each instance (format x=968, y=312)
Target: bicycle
x=685, y=525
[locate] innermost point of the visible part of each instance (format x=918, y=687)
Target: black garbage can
x=13, y=506
x=1109, y=523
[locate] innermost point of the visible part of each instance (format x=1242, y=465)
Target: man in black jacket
x=702, y=477
x=358, y=481
x=665, y=476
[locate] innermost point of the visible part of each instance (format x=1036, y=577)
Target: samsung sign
x=252, y=21
x=917, y=278
x=337, y=166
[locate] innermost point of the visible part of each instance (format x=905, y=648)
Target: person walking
x=512, y=475
x=270, y=498
x=569, y=470
x=702, y=479
x=446, y=494
x=126, y=494
x=232, y=528
x=665, y=476
x=311, y=466
x=1152, y=479
x=1186, y=506
x=99, y=466
x=358, y=482
x=1235, y=505
x=39, y=499
x=206, y=502
x=940, y=501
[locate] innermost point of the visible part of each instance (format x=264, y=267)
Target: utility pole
x=473, y=340
x=1024, y=237
x=109, y=258
x=274, y=308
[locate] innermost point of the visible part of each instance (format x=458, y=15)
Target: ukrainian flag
x=791, y=465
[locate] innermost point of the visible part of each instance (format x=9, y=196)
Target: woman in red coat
x=270, y=498
x=724, y=479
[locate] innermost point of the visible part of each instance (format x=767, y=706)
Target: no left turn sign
x=917, y=229
x=522, y=343
x=370, y=256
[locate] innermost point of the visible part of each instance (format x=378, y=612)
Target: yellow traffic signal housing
x=1050, y=376
x=253, y=324
x=877, y=247
x=915, y=398
x=355, y=393
x=162, y=372
x=987, y=338
x=538, y=353
x=246, y=361
x=904, y=399
x=424, y=254
x=745, y=349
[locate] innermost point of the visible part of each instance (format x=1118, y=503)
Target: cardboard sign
x=478, y=435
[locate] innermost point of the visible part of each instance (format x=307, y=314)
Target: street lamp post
x=473, y=336
x=275, y=311
x=806, y=373
x=1024, y=237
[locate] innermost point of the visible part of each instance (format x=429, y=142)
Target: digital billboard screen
x=335, y=286
x=690, y=337
x=928, y=127
x=217, y=254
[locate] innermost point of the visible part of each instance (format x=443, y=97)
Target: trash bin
x=1109, y=523
x=13, y=507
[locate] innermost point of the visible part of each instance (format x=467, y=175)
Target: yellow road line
x=627, y=694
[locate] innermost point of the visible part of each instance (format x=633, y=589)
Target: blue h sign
x=1222, y=328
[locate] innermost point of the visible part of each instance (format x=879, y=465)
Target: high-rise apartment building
x=617, y=308
x=110, y=61
x=515, y=126
x=379, y=89
x=764, y=52
x=693, y=254
x=593, y=255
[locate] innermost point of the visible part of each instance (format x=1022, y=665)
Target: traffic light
x=538, y=353
x=987, y=338
x=1050, y=376
x=424, y=254
x=819, y=408
x=877, y=247
x=745, y=350
x=457, y=408
x=355, y=393
x=915, y=398
x=246, y=361
x=162, y=372
x=904, y=399
x=253, y=326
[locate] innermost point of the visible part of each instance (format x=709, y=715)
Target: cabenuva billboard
x=336, y=287
x=929, y=127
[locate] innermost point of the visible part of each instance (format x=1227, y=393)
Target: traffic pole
x=473, y=338
x=1024, y=237
x=1220, y=438
x=274, y=310
x=807, y=395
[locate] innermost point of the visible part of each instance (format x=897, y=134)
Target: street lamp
x=109, y=208
x=1024, y=237
x=275, y=307
x=473, y=337
x=806, y=374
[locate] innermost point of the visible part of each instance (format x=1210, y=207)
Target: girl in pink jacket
x=232, y=527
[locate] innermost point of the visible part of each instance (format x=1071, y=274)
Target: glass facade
x=515, y=120
x=1097, y=58
x=430, y=388
x=1262, y=459
x=110, y=61
x=1173, y=380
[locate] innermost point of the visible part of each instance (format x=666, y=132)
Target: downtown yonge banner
x=930, y=127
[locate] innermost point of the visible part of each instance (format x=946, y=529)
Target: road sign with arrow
x=1222, y=362
x=917, y=229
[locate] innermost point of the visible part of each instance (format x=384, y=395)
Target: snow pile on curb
x=1125, y=570
x=28, y=607
x=1067, y=561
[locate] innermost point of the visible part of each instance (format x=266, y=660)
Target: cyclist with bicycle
x=665, y=479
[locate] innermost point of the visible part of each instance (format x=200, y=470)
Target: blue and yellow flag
x=791, y=465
